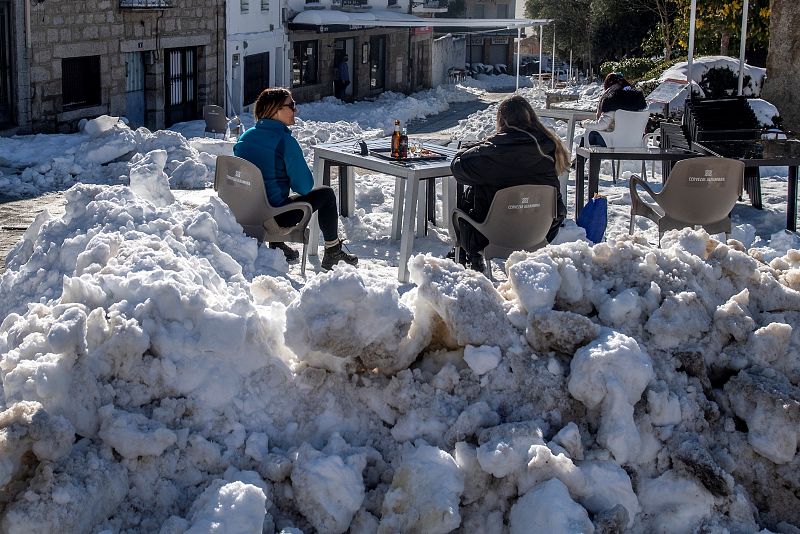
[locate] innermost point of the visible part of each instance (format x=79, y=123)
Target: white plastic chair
x=629, y=127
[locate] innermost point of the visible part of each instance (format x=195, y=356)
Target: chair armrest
x=639, y=206
x=305, y=207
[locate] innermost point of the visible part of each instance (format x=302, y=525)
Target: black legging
x=323, y=201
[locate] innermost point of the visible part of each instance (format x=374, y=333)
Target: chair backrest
x=240, y=185
x=216, y=121
x=629, y=127
x=702, y=190
x=519, y=219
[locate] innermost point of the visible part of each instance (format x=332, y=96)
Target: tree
x=664, y=11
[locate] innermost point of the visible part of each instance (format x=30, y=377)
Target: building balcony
x=351, y=5
x=146, y=4
x=430, y=6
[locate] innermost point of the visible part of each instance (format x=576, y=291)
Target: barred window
x=80, y=82
x=245, y=4
x=264, y=5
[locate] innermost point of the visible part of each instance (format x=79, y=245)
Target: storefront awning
x=331, y=20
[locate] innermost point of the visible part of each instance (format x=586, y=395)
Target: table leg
x=752, y=183
x=407, y=233
x=397, y=207
x=791, y=200
x=449, y=188
x=321, y=172
x=580, y=175
x=431, y=196
x=594, y=174
x=422, y=211
x=350, y=186
x=570, y=134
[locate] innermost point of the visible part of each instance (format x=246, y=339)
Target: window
x=304, y=63
x=502, y=11
x=264, y=5
x=377, y=62
x=80, y=82
x=478, y=12
x=245, y=5
x=256, y=76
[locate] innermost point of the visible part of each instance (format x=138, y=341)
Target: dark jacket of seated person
x=522, y=152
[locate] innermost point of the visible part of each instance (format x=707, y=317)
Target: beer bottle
x=396, y=140
x=403, y=144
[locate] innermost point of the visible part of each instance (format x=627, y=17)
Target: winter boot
x=335, y=254
x=290, y=253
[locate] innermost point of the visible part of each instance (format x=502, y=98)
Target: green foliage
x=632, y=68
x=660, y=67
x=720, y=82
x=647, y=86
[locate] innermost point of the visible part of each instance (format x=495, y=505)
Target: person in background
x=341, y=78
x=523, y=151
x=617, y=94
x=269, y=145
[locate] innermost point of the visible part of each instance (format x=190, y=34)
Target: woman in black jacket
x=522, y=152
x=617, y=94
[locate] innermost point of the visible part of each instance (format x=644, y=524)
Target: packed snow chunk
x=452, y=294
x=536, y=282
x=48, y=362
x=349, y=319
x=681, y=318
x=100, y=125
x=149, y=181
x=770, y=406
x=133, y=435
x=671, y=504
x=106, y=147
x=663, y=406
x=504, y=448
x=189, y=174
x=569, y=438
x=561, y=331
x=425, y=493
x=26, y=427
x=72, y=495
x=544, y=465
x=733, y=318
x=769, y=343
x=609, y=486
x=611, y=373
x=229, y=508
x=328, y=490
x=549, y=508
x=482, y=359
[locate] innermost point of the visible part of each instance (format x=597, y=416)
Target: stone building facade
x=155, y=62
x=783, y=62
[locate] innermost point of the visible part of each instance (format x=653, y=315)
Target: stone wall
x=63, y=29
x=783, y=62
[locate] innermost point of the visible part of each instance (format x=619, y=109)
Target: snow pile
x=152, y=382
x=701, y=65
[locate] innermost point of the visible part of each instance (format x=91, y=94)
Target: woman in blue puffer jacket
x=269, y=145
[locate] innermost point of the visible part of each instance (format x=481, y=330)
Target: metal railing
x=146, y=4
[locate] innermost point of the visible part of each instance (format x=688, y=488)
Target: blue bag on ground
x=594, y=218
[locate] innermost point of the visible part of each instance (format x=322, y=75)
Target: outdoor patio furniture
x=240, y=185
x=518, y=219
x=628, y=132
x=216, y=121
x=698, y=192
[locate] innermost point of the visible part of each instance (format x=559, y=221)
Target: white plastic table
x=346, y=156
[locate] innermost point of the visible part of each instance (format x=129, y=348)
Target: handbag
x=594, y=218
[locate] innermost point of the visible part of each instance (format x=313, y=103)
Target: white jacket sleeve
x=604, y=123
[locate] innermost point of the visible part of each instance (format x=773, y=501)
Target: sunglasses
x=292, y=105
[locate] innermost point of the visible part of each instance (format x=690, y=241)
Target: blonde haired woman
x=522, y=152
x=269, y=145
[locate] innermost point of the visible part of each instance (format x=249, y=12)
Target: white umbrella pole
x=691, y=46
x=742, y=42
x=519, y=40
x=553, y=63
x=541, y=36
